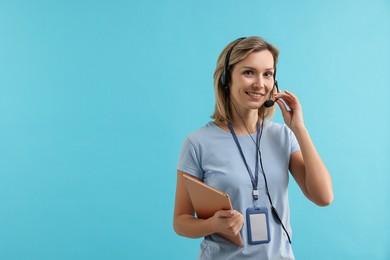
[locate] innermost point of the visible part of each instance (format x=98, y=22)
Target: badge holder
x=258, y=226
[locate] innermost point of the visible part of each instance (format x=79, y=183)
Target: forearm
x=189, y=226
x=317, y=178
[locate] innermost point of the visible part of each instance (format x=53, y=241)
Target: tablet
x=207, y=200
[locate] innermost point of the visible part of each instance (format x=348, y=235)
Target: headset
x=225, y=76
x=225, y=82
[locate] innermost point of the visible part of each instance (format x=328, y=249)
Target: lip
x=254, y=95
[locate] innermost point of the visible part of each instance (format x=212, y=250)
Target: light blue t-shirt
x=211, y=155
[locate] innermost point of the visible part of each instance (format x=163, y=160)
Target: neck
x=245, y=120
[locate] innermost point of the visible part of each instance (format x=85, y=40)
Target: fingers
x=282, y=106
x=235, y=223
x=289, y=98
x=291, y=109
x=225, y=213
x=230, y=221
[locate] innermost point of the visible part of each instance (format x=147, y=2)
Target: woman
x=243, y=153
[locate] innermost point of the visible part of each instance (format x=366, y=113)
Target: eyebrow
x=252, y=68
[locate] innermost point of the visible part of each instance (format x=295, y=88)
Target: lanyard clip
x=255, y=194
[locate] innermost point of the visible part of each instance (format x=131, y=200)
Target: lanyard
x=255, y=178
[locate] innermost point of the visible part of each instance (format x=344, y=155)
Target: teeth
x=254, y=94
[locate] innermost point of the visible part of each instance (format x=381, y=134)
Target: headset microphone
x=270, y=102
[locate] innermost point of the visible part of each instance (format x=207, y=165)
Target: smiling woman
x=244, y=154
x=248, y=77
x=230, y=59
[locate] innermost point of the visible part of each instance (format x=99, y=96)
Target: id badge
x=258, y=226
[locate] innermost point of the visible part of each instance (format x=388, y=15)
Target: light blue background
x=96, y=98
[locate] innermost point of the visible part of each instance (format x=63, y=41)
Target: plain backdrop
x=96, y=98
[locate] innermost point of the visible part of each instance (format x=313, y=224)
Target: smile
x=254, y=94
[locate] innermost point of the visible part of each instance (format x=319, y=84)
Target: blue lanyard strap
x=255, y=178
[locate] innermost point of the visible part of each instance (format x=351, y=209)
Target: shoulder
x=279, y=133
x=205, y=133
x=277, y=128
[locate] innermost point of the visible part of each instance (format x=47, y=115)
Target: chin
x=256, y=106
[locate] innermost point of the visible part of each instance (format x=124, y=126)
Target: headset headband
x=225, y=76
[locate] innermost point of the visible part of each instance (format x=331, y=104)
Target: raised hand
x=291, y=109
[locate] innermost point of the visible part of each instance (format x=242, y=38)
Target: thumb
x=282, y=106
x=225, y=213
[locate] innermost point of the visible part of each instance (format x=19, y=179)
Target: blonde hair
x=245, y=47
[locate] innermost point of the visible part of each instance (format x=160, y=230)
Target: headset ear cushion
x=225, y=79
x=222, y=79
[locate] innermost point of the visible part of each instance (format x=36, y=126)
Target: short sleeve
x=294, y=146
x=189, y=160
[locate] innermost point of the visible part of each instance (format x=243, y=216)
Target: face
x=252, y=80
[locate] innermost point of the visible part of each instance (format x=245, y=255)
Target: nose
x=259, y=82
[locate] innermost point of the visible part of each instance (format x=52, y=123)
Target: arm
x=185, y=224
x=306, y=166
